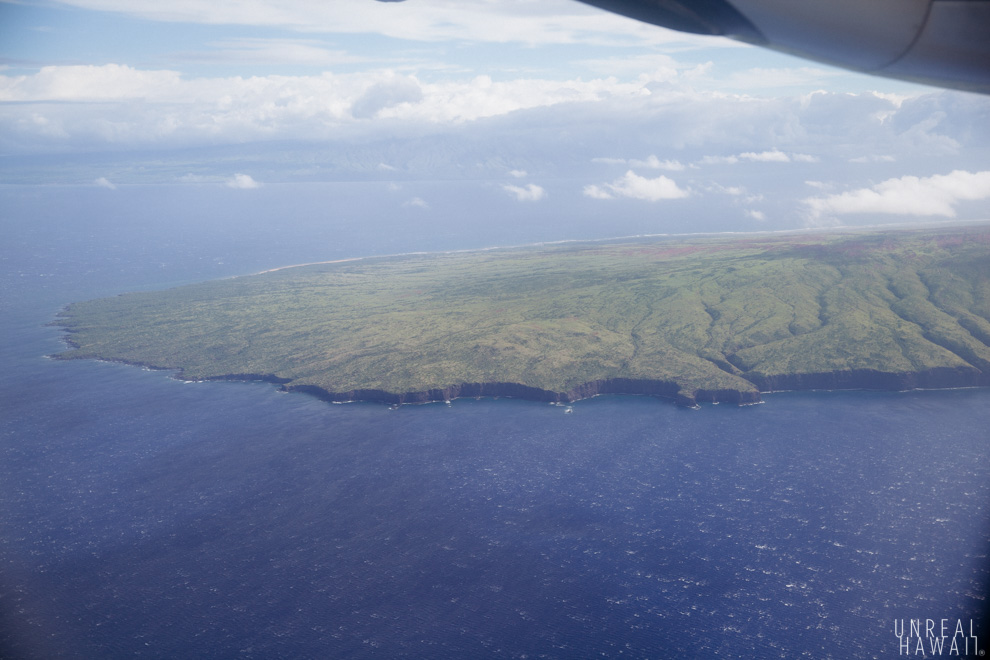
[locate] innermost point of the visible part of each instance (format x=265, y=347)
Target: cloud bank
x=120, y=105
x=114, y=106
x=936, y=195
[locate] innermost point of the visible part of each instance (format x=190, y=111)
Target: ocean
x=141, y=516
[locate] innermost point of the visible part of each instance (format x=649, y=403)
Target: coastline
x=941, y=378
x=860, y=380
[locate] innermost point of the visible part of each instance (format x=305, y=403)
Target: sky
x=552, y=102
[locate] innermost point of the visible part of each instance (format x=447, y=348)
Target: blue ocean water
x=141, y=516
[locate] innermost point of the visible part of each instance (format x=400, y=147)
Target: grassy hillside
x=706, y=314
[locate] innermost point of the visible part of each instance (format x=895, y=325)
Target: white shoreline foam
x=857, y=229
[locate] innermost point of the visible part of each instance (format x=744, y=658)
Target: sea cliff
x=851, y=380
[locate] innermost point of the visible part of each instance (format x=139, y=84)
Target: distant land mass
x=694, y=319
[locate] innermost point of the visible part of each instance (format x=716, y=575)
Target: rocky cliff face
x=868, y=379
x=860, y=379
x=657, y=388
x=514, y=390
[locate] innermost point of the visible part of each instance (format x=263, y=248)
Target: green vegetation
x=713, y=317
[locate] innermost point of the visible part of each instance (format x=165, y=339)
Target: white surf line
x=840, y=229
x=311, y=263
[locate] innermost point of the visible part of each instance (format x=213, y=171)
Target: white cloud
x=873, y=159
x=120, y=105
x=242, y=182
x=637, y=187
x=657, y=164
x=719, y=160
x=759, y=216
x=136, y=107
x=650, y=161
x=734, y=191
x=774, y=156
x=384, y=94
x=90, y=83
x=528, y=193
x=104, y=182
x=417, y=202
x=771, y=156
x=908, y=195
x=471, y=125
x=479, y=97
x=596, y=192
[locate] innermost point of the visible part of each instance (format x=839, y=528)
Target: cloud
x=873, y=159
x=517, y=173
x=529, y=193
x=633, y=186
x=734, y=191
x=719, y=160
x=753, y=214
x=386, y=94
x=650, y=161
x=87, y=108
x=120, y=105
x=657, y=164
x=908, y=195
x=771, y=156
x=465, y=125
x=90, y=83
x=104, y=182
x=596, y=192
x=242, y=182
x=416, y=202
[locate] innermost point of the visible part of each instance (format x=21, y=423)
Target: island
x=716, y=319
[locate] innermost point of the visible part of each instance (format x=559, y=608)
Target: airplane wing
x=937, y=42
